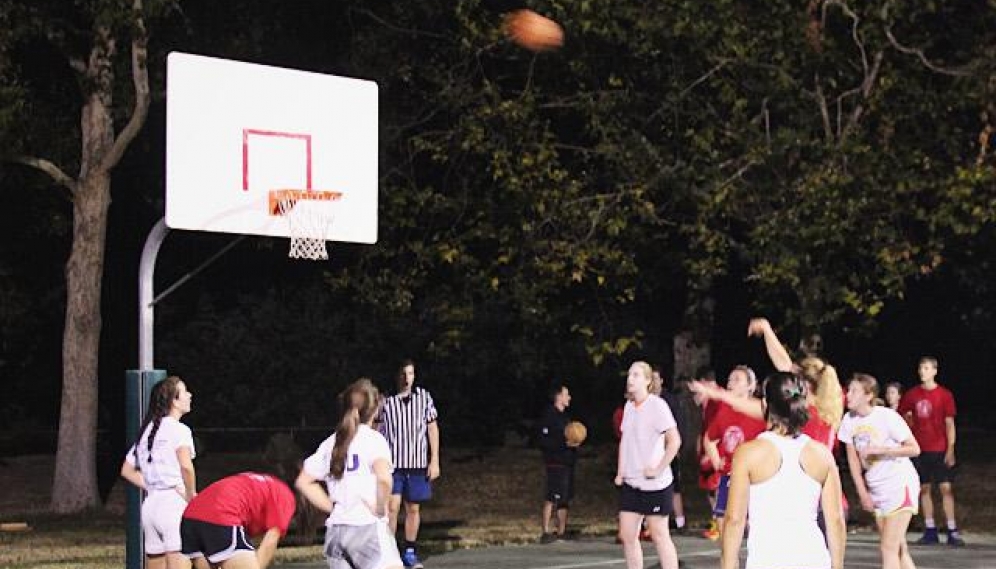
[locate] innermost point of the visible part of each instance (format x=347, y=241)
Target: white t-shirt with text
x=355, y=494
x=882, y=427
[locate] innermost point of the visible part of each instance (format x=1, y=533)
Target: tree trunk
x=75, y=484
x=74, y=487
x=691, y=346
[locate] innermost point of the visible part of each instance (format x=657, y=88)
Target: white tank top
x=782, y=513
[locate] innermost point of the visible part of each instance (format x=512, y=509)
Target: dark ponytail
x=160, y=404
x=358, y=404
x=785, y=395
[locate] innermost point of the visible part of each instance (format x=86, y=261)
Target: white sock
x=929, y=523
x=952, y=526
x=679, y=521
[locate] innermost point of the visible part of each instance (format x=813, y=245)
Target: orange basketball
x=575, y=433
x=532, y=31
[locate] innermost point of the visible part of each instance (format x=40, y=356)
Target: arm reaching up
x=776, y=351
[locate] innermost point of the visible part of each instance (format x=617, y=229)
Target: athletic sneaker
x=954, y=538
x=712, y=532
x=929, y=537
x=548, y=538
x=410, y=559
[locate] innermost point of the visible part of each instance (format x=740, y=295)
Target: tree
x=857, y=160
x=86, y=36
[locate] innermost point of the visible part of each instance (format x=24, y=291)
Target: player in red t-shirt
x=219, y=521
x=729, y=429
x=929, y=408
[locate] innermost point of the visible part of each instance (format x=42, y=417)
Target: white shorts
x=899, y=494
x=368, y=546
x=161, y=513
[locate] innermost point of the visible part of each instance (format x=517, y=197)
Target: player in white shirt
x=880, y=444
x=161, y=463
x=355, y=464
x=779, y=481
x=649, y=443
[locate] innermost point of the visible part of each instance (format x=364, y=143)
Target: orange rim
x=285, y=195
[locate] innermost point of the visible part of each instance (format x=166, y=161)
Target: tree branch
x=866, y=89
x=821, y=100
x=918, y=52
x=409, y=31
x=855, y=22
x=49, y=168
x=140, y=80
x=705, y=76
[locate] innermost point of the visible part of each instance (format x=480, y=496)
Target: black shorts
x=648, y=503
x=559, y=484
x=932, y=470
x=216, y=543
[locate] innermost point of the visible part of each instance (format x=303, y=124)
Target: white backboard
x=235, y=131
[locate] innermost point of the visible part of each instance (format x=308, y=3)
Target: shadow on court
x=694, y=552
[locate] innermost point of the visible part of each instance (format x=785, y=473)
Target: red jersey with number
x=929, y=409
x=730, y=429
x=257, y=502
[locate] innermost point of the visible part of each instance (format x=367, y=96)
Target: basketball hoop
x=310, y=214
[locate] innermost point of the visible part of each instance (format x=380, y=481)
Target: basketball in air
x=532, y=31
x=575, y=433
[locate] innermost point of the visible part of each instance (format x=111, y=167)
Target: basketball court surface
x=694, y=552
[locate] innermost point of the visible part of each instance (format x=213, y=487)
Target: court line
x=618, y=561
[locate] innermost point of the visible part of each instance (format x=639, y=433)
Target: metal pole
x=146, y=308
x=139, y=384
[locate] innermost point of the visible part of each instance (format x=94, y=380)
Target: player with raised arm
x=730, y=428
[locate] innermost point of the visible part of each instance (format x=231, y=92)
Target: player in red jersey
x=929, y=408
x=728, y=430
x=219, y=522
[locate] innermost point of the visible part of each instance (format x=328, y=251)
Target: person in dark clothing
x=559, y=458
x=671, y=398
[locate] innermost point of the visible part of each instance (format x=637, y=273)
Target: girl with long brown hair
x=355, y=464
x=161, y=463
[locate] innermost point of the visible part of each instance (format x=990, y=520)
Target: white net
x=310, y=226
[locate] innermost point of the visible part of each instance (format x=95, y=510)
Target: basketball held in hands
x=533, y=31
x=575, y=433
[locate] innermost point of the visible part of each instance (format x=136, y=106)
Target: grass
x=485, y=497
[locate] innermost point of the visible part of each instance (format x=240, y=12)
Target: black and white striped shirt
x=404, y=423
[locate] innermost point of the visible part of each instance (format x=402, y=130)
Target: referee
x=408, y=422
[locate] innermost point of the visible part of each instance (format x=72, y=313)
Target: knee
x=925, y=491
x=628, y=539
x=946, y=490
x=393, y=506
x=412, y=509
x=889, y=547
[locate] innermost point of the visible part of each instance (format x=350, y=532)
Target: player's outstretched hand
x=758, y=327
